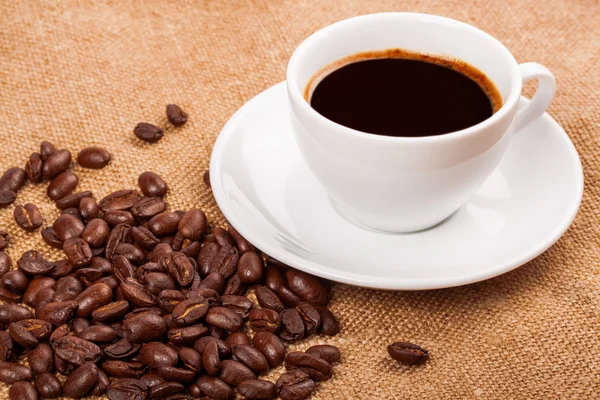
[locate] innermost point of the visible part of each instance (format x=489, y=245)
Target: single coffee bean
x=33, y=168
x=43, y=297
x=211, y=359
x=96, y=232
x=251, y=357
x=8, y=349
x=191, y=249
x=179, y=267
x=176, y=115
x=48, y=386
x=41, y=359
x=10, y=313
x=152, y=185
x=9, y=297
x=190, y=311
x=46, y=149
x=237, y=338
x=125, y=369
x=51, y=238
x=317, y=368
x=169, y=373
x=77, y=251
x=408, y=353
x=111, y=311
x=72, y=211
x=214, y=281
x=93, y=157
x=32, y=263
x=195, y=392
x=193, y=224
x=148, y=207
x=155, y=354
x=151, y=380
x=225, y=262
x=81, y=381
x=164, y=224
x=76, y=350
x=165, y=390
x=129, y=251
x=241, y=243
x=13, y=180
x=57, y=313
x=121, y=349
x=294, y=385
x=62, y=185
x=223, y=347
x=168, y=299
x=288, y=297
x=157, y=282
x=5, y=262
x=307, y=287
x=7, y=197
x=310, y=316
x=274, y=278
x=208, y=252
x=93, y=297
x=72, y=200
x=264, y=319
x=234, y=372
x=116, y=217
x=210, y=295
x=57, y=163
x=118, y=235
x=67, y=288
x=22, y=391
x=239, y=304
x=326, y=352
x=250, y=267
x=222, y=237
x=13, y=372
x=267, y=299
x=191, y=359
x=126, y=389
x=292, y=325
x=123, y=269
x=15, y=281
x=187, y=335
x=102, y=385
x=145, y=327
x=98, y=334
x=329, y=324
x=148, y=132
x=68, y=226
x=28, y=217
x=257, y=389
x=270, y=346
x=215, y=388
x=88, y=208
x=144, y=238
x=136, y=293
x=121, y=200
x=224, y=318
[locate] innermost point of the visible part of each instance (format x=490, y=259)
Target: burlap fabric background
x=83, y=73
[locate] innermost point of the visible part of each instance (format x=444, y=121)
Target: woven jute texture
x=82, y=73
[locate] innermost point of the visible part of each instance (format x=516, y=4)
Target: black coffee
x=397, y=93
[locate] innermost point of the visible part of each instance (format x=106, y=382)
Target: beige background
x=83, y=73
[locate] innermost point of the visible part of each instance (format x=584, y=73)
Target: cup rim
x=298, y=98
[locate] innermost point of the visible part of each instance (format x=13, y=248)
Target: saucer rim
x=360, y=279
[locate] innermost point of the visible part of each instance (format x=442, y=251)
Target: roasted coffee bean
x=239, y=304
x=98, y=334
x=71, y=211
x=123, y=268
x=225, y=262
x=62, y=185
x=9, y=297
x=307, y=287
x=125, y=369
x=102, y=385
x=408, y=353
x=164, y=224
x=126, y=389
x=33, y=168
x=251, y=357
x=310, y=316
x=186, y=335
x=234, y=372
x=179, y=267
x=165, y=390
x=63, y=367
x=7, y=197
x=136, y=293
x=176, y=115
x=222, y=237
x=5, y=262
x=72, y=200
x=81, y=381
x=211, y=360
x=210, y=295
x=22, y=391
x=223, y=347
x=88, y=276
x=79, y=324
x=267, y=299
x=169, y=373
x=195, y=392
x=191, y=359
x=118, y=235
x=157, y=282
x=149, y=207
x=208, y=252
x=130, y=252
x=214, y=281
x=96, y=232
x=15, y=281
x=241, y=243
x=264, y=319
x=215, y=388
x=93, y=157
x=294, y=385
x=190, y=311
x=235, y=286
x=292, y=325
x=77, y=251
x=32, y=263
x=191, y=249
x=7, y=347
x=89, y=209
x=41, y=359
x=67, y=288
x=317, y=368
x=57, y=163
x=168, y=299
x=257, y=389
x=151, y=380
x=28, y=217
x=329, y=324
x=13, y=180
x=120, y=200
x=13, y=372
x=43, y=297
x=76, y=350
x=92, y=298
x=144, y=327
x=288, y=297
x=121, y=349
x=116, y=217
x=327, y=352
x=193, y=224
x=148, y=132
x=224, y=318
x=29, y=332
x=144, y=238
x=274, y=278
x=250, y=267
x=48, y=386
x=51, y=238
x=68, y=226
x=237, y=338
x=270, y=346
x=111, y=311
x=57, y=313
x=152, y=185
x=46, y=149
x=155, y=354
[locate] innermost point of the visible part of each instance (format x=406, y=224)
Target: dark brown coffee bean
x=72, y=200
x=5, y=262
x=9, y=297
x=98, y=334
x=118, y=235
x=250, y=267
x=193, y=224
x=234, y=372
x=294, y=385
x=57, y=163
x=7, y=347
x=176, y=115
x=121, y=349
x=63, y=367
x=152, y=185
x=264, y=319
x=81, y=381
x=148, y=207
x=136, y=293
x=222, y=237
x=13, y=180
x=7, y=197
x=307, y=287
x=33, y=168
x=76, y=350
x=179, y=267
x=208, y=253
x=241, y=243
x=51, y=238
x=190, y=311
x=32, y=263
x=77, y=251
x=310, y=316
x=89, y=209
x=62, y=185
x=71, y=211
x=121, y=200
x=274, y=278
x=267, y=299
x=144, y=238
x=43, y=297
x=155, y=354
x=48, y=386
x=93, y=157
x=257, y=389
x=317, y=368
x=214, y=281
x=10, y=313
x=235, y=286
x=46, y=149
x=123, y=268
x=191, y=249
x=15, y=281
x=251, y=357
x=68, y=226
x=57, y=313
x=116, y=217
x=111, y=311
x=239, y=304
x=329, y=324
x=223, y=347
x=270, y=346
x=225, y=262
x=408, y=353
x=151, y=380
x=292, y=325
x=41, y=359
x=169, y=373
x=102, y=385
x=328, y=353
x=22, y=391
x=237, y=338
x=79, y=324
x=124, y=369
x=215, y=388
x=224, y=318
x=148, y=132
x=29, y=332
x=126, y=389
x=211, y=360
x=165, y=390
x=144, y=327
x=288, y=297
x=129, y=251
x=191, y=359
x=164, y=224
x=13, y=372
x=93, y=297
x=210, y=295
x=28, y=217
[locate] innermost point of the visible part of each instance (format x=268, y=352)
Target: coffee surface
x=411, y=97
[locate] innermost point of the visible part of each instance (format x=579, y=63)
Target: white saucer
x=268, y=194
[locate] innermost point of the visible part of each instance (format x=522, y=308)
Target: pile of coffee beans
x=148, y=302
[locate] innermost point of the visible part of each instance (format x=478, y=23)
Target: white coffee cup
x=404, y=184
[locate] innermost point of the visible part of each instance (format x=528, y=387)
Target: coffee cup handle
x=542, y=98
